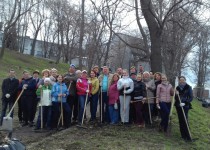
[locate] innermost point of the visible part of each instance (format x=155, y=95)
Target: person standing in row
x=164, y=92
x=94, y=95
x=9, y=93
x=27, y=98
x=59, y=95
x=105, y=80
x=114, y=100
x=125, y=86
x=70, y=80
x=186, y=96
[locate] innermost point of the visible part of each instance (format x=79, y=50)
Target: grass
x=112, y=137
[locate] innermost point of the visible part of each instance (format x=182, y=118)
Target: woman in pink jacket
x=114, y=100
x=164, y=92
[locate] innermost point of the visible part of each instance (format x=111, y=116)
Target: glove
x=25, y=86
x=40, y=86
x=124, y=91
x=87, y=91
x=7, y=95
x=158, y=106
x=182, y=104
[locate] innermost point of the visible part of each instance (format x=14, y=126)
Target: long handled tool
x=149, y=109
x=101, y=116
x=141, y=100
x=7, y=121
x=124, y=109
x=185, y=118
x=41, y=109
x=61, y=113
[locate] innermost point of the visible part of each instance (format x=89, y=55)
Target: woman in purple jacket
x=114, y=100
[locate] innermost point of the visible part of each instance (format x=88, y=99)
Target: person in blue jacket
x=60, y=108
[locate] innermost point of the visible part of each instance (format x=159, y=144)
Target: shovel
x=7, y=123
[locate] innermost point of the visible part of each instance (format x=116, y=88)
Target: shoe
x=141, y=126
x=36, y=128
x=24, y=124
x=30, y=124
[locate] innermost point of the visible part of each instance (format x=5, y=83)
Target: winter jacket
x=185, y=94
x=150, y=84
x=70, y=80
x=82, y=86
x=100, y=78
x=139, y=91
x=31, y=88
x=113, y=93
x=125, y=81
x=164, y=92
x=41, y=93
x=10, y=86
x=95, y=85
x=59, y=88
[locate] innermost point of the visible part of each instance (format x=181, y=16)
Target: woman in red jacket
x=114, y=100
x=83, y=89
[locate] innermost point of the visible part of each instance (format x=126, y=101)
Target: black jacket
x=10, y=87
x=139, y=90
x=31, y=89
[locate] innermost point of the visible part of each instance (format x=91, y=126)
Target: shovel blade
x=7, y=124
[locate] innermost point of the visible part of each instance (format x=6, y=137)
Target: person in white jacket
x=125, y=85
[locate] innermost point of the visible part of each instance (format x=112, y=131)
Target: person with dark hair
x=70, y=80
x=183, y=101
x=119, y=72
x=94, y=95
x=9, y=93
x=96, y=70
x=59, y=95
x=27, y=98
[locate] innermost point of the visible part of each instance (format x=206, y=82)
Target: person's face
x=125, y=73
x=157, y=77
x=92, y=74
x=71, y=69
x=105, y=70
x=46, y=83
x=60, y=78
x=54, y=73
x=182, y=81
x=163, y=78
x=26, y=75
x=138, y=78
x=96, y=70
x=132, y=70
x=12, y=74
x=146, y=76
x=35, y=75
x=46, y=74
x=115, y=78
x=141, y=68
x=79, y=75
x=84, y=75
x=133, y=76
x=151, y=75
x=119, y=71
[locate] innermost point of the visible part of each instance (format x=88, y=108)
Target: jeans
x=5, y=104
x=81, y=99
x=46, y=114
x=93, y=106
x=114, y=114
x=164, y=113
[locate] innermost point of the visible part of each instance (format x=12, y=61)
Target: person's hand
x=158, y=106
x=177, y=92
x=25, y=86
x=87, y=91
x=124, y=91
x=40, y=86
x=64, y=95
x=182, y=104
x=60, y=95
x=7, y=95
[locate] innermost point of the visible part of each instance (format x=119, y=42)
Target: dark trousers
x=114, y=114
x=93, y=106
x=139, y=113
x=27, y=108
x=146, y=112
x=105, y=108
x=72, y=100
x=5, y=104
x=132, y=113
x=20, y=111
x=183, y=123
x=34, y=103
x=164, y=113
x=56, y=112
x=46, y=114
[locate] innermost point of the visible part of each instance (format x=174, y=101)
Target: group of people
x=135, y=98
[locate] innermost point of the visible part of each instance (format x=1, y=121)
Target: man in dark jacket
x=9, y=93
x=70, y=80
x=27, y=98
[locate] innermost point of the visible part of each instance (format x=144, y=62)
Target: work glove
x=7, y=95
x=40, y=86
x=25, y=86
x=158, y=106
x=87, y=91
x=182, y=104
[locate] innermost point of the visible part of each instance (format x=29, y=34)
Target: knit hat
x=47, y=80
